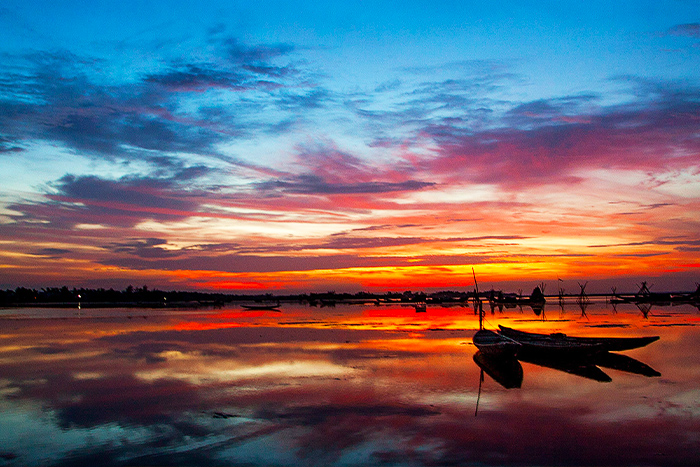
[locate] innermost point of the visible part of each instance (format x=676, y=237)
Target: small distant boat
x=562, y=342
x=420, y=307
x=492, y=343
x=263, y=306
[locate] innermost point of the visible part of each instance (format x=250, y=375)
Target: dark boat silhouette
x=492, y=343
x=581, y=356
x=505, y=370
x=550, y=345
x=579, y=365
x=624, y=363
x=560, y=341
x=263, y=306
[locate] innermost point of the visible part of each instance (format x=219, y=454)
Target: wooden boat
x=263, y=306
x=556, y=346
x=493, y=343
x=585, y=344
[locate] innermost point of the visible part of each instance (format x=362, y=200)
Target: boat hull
x=492, y=343
x=558, y=340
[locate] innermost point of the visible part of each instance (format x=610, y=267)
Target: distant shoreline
x=146, y=298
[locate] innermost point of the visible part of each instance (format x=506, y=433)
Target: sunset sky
x=291, y=146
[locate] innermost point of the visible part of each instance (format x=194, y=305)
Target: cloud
x=57, y=100
x=687, y=29
x=554, y=141
x=326, y=170
x=156, y=196
x=311, y=184
x=151, y=253
x=60, y=96
x=679, y=241
x=124, y=202
x=143, y=248
x=240, y=53
x=196, y=78
x=572, y=109
x=242, y=263
x=8, y=146
x=52, y=252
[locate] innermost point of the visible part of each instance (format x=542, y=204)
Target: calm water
x=350, y=385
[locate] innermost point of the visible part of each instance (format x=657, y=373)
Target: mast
x=477, y=301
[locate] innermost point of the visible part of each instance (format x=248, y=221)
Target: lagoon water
x=351, y=385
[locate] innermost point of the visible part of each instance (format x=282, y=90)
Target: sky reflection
x=302, y=388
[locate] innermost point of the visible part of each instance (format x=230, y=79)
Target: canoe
x=551, y=346
x=273, y=307
x=492, y=343
x=560, y=341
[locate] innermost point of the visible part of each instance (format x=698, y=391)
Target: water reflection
x=508, y=372
x=343, y=385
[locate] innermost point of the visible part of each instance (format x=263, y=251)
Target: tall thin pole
x=478, y=397
x=477, y=301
